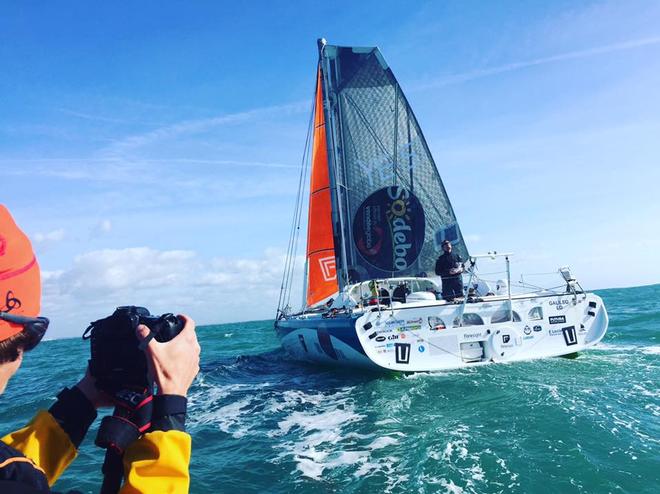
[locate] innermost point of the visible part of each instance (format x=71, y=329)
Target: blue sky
x=151, y=149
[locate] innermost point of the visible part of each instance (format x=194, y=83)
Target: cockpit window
x=469, y=319
x=536, y=313
x=503, y=315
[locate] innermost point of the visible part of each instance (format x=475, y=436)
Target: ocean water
x=260, y=423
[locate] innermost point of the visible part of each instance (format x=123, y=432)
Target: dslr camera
x=117, y=359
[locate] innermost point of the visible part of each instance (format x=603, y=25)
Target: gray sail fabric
x=396, y=209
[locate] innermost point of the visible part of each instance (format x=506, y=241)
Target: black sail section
x=396, y=211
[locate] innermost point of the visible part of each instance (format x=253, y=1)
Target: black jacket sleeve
x=74, y=413
x=169, y=413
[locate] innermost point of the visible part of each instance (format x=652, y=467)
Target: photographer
x=33, y=458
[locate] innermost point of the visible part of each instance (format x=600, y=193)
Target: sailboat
x=378, y=215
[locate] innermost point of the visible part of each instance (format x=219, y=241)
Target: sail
x=394, y=208
x=321, y=267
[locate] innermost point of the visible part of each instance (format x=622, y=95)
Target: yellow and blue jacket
x=34, y=457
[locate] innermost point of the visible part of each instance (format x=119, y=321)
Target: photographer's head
x=20, y=298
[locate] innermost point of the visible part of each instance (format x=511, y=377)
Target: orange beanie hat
x=20, y=283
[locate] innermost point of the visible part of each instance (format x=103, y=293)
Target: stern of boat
x=595, y=320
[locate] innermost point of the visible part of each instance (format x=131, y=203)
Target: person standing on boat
x=449, y=267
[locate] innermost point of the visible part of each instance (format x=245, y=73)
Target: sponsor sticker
x=560, y=304
x=527, y=330
x=570, y=336
x=538, y=329
x=402, y=353
x=380, y=338
x=557, y=319
x=421, y=349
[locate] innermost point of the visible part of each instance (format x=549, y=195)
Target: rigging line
x=285, y=280
x=296, y=232
x=287, y=275
x=306, y=159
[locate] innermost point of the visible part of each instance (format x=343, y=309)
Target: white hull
x=410, y=337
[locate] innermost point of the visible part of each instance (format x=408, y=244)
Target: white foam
x=387, y=421
x=450, y=487
x=477, y=473
x=228, y=418
x=309, y=421
x=646, y=392
x=382, y=442
x=312, y=466
x=651, y=350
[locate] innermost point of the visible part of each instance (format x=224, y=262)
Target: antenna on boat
x=321, y=42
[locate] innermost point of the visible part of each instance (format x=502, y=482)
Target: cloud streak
x=196, y=126
x=561, y=57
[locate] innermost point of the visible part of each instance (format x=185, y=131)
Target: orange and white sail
x=321, y=261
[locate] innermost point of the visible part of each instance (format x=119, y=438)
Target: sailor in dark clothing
x=450, y=266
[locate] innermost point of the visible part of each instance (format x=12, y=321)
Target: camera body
x=117, y=362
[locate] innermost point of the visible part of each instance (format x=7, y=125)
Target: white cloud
x=210, y=291
x=102, y=227
x=44, y=239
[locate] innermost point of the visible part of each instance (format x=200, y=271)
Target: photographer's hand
x=175, y=363
x=87, y=385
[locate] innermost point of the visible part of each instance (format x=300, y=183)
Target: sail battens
x=321, y=250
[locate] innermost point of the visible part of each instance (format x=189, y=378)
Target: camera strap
x=131, y=418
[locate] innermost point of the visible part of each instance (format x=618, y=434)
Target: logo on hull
x=570, y=336
x=402, y=353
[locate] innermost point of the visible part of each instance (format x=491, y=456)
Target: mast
x=330, y=106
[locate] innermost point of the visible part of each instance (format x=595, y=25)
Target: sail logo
x=388, y=229
x=328, y=268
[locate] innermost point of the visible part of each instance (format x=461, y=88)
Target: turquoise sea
x=263, y=424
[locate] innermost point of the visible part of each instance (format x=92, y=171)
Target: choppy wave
x=261, y=423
